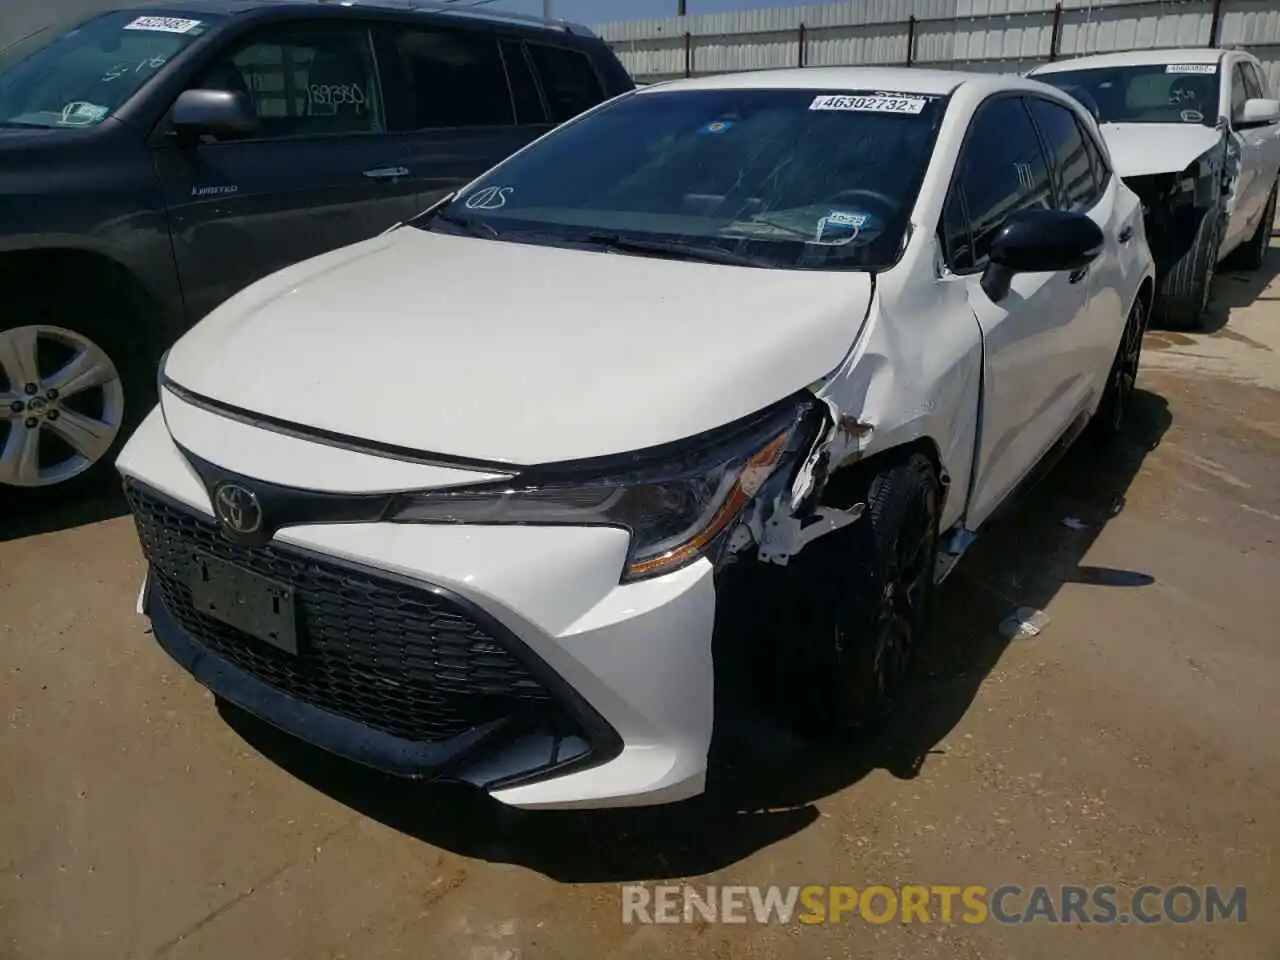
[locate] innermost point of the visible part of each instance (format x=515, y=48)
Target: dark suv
x=155, y=161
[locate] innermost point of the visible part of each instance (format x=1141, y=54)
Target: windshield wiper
x=678, y=249
x=472, y=225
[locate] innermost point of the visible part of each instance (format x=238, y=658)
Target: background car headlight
x=676, y=501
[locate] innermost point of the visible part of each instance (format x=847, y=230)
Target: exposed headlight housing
x=676, y=502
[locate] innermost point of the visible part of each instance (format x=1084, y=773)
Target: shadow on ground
x=24, y=515
x=764, y=784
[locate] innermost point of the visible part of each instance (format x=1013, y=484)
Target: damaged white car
x=1196, y=134
x=472, y=499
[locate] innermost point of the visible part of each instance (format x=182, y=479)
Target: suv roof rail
x=501, y=16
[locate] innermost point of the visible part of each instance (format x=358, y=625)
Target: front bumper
x=505, y=657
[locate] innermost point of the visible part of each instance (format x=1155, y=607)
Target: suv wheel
x=1184, y=290
x=862, y=608
x=68, y=394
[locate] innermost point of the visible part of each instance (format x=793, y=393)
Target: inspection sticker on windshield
x=863, y=104
x=163, y=24
x=1191, y=68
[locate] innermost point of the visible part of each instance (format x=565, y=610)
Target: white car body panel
x=1142, y=149
x=593, y=373
x=510, y=353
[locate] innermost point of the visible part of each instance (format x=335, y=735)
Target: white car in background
x=472, y=499
x=1196, y=134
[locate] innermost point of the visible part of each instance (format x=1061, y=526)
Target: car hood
x=1141, y=149
x=515, y=352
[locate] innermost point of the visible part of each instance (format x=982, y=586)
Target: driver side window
x=1001, y=170
x=1239, y=89
x=304, y=80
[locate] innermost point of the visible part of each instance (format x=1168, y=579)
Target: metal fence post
x=688, y=54
x=1215, y=23
x=1055, y=38
x=801, y=43
x=911, y=40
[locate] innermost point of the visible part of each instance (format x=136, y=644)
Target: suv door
x=450, y=100
x=1084, y=184
x=1259, y=149
x=1246, y=147
x=1029, y=366
x=319, y=173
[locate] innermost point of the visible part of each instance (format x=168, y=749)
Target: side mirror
x=1040, y=241
x=218, y=113
x=1257, y=112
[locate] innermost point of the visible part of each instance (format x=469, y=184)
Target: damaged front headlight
x=676, y=502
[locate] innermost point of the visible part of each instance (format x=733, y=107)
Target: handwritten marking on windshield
x=489, y=198
x=123, y=69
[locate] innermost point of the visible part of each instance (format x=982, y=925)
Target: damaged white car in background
x=472, y=499
x=1196, y=134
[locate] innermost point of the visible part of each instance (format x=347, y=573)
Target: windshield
x=802, y=179
x=1157, y=93
x=85, y=74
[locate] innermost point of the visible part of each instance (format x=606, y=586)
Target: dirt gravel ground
x=1135, y=740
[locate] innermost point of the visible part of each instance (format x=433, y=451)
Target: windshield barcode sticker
x=865, y=104
x=163, y=24
x=1191, y=68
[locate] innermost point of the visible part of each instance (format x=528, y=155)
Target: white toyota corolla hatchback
x=747, y=358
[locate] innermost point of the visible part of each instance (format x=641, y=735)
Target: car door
x=319, y=173
x=1083, y=184
x=1260, y=148
x=1268, y=134
x=460, y=99
x=1246, y=147
x=1029, y=395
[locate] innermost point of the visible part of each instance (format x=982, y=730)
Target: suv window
x=1239, y=89
x=568, y=79
x=1077, y=189
x=452, y=78
x=1002, y=169
x=305, y=80
x=1253, y=84
x=524, y=89
x=1260, y=80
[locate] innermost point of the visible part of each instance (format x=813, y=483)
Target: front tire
x=1108, y=421
x=1184, y=288
x=861, y=607
x=71, y=389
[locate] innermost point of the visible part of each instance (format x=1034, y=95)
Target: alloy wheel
x=902, y=602
x=1127, y=366
x=61, y=405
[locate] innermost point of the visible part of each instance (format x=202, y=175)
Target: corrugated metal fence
x=996, y=35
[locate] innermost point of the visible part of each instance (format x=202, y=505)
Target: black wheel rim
x=1127, y=367
x=905, y=595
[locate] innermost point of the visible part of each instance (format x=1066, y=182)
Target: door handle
x=1126, y=234
x=386, y=173
x=1077, y=275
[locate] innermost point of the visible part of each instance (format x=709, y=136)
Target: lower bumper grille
x=396, y=657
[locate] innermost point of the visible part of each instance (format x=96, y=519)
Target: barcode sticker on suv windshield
x=163, y=24
x=1191, y=68
x=868, y=104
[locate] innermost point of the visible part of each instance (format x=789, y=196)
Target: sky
x=604, y=11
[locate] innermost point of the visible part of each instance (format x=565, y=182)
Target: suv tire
x=1183, y=291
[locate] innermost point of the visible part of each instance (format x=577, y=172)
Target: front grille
x=395, y=657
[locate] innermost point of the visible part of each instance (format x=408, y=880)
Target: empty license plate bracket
x=245, y=600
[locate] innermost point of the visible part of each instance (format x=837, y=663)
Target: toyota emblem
x=237, y=508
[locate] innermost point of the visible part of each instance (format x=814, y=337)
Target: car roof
x=1135, y=58
x=900, y=79
x=443, y=7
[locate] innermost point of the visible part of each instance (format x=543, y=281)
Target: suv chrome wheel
x=61, y=405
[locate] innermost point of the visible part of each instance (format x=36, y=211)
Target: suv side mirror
x=218, y=113
x=1257, y=112
x=1040, y=241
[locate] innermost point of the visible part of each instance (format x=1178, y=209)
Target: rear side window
x=1077, y=188
x=452, y=78
x=524, y=89
x=1001, y=170
x=305, y=80
x=568, y=79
